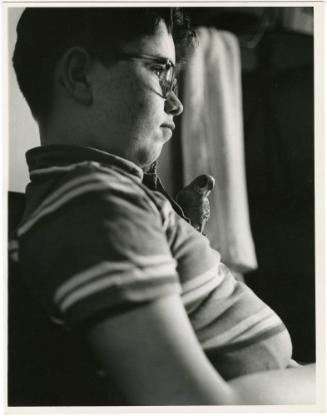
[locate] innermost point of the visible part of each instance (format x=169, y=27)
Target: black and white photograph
x=164, y=206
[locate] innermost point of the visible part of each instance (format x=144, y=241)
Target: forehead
x=160, y=43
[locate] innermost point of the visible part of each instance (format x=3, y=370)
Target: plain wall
x=23, y=131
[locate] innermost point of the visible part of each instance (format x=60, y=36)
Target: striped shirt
x=94, y=241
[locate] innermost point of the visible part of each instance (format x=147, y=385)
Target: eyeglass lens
x=168, y=82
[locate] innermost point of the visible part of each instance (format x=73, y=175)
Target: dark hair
x=44, y=34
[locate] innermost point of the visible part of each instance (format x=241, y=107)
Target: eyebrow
x=164, y=59
x=149, y=57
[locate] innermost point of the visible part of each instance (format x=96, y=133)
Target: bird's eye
x=203, y=181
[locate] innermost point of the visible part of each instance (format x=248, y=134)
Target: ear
x=72, y=74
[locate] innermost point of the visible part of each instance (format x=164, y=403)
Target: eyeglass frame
x=172, y=84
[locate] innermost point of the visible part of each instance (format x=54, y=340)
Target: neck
x=63, y=132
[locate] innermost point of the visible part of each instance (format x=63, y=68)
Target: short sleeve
x=102, y=252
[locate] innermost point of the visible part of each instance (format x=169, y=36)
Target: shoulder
x=95, y=239
x=88, y=188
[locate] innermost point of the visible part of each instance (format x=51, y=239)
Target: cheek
x=142, y=113
x=129, y=105
x=126, y=101
x=143, y=107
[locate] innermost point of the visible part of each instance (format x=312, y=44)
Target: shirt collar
x=60, y=155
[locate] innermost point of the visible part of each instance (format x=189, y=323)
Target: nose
x=173, y=105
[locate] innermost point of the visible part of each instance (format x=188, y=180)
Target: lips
x=170, y=126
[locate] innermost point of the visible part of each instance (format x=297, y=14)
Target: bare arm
x=153, y=356
x=290, y=386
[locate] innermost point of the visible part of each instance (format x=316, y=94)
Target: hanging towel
x=212, y=142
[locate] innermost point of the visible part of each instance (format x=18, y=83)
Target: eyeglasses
x=166, y=72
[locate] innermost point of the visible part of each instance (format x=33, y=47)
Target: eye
x=159, y=70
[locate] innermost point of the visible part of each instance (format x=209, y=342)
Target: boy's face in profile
x=130, y=112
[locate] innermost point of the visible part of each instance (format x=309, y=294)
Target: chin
x=167, y=134
x=146, y=157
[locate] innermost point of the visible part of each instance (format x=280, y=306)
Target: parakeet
x=194, y=201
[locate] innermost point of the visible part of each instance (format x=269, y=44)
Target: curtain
x=212, y=142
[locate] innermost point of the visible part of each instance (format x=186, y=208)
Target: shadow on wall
x=279, y=143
